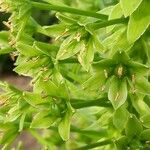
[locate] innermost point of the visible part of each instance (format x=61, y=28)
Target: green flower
x=75, y=38
x=118, y=76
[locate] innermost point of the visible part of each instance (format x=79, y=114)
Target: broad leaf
x=46, y=86
x=35, y=99
x=47, y=49
x=143, y=86
x=95, y=82
x=69, y=48
x=139, y=22
x=64, y=125
x=145, y=135
x=139, y=104
x=116, y=12
x=133, y=127
x=121, y=57
x=129, y=6
x=117, y=93
x=66, y=19
x=122, y=143
x=53, y=30
x=28, y=50
x=121, y=44
x=138, y=68
x=98, y=44
x=120, y=118
x=43, y=120
x=146, y=120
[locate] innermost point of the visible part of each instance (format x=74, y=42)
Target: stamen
x=105, y=73
x=117, y=96
x=120, y=71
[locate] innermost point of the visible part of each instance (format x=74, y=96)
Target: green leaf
x=86, y=55
x=110, y=40
x=121, y=44
x=95, y=82
x=139, y=104
x=21, y=123
x=64, y=125
x=28, y=50
x=53, y=30
x=120, y=118
x=27, y=67
x=104, y=63
x=135, y=144
x=65, y=19
x=117, y=93
x=122, y=143
x=145, y=135
x=45, y=48
x=133, y=127
x=146, y=120
x=47, y=86
x=43, y=120
x=121, y=57
x=139, y=22
x=138, y=68
x=34, y=99
x=98, y=44
x=129, y=7
x=6, y=50
x=9, y=136
x=116, y=12
x=4, y=36
x=13, y=114
x=143, y=86
x=106, y=10
x=69, y=48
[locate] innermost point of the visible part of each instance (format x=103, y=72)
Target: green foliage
x=95, y=55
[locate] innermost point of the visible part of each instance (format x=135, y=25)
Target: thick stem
x=98, y=25
x=45, y=6
x=102, y=102
x=98, y=144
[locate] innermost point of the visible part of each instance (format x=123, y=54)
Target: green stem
x=98, y=25
x=98, y=144
x=66, y=9
x=102, y=102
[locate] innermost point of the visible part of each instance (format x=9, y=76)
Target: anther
x=105, y=73
x=120, y=71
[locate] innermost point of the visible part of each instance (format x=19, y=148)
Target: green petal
x=117, y=93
